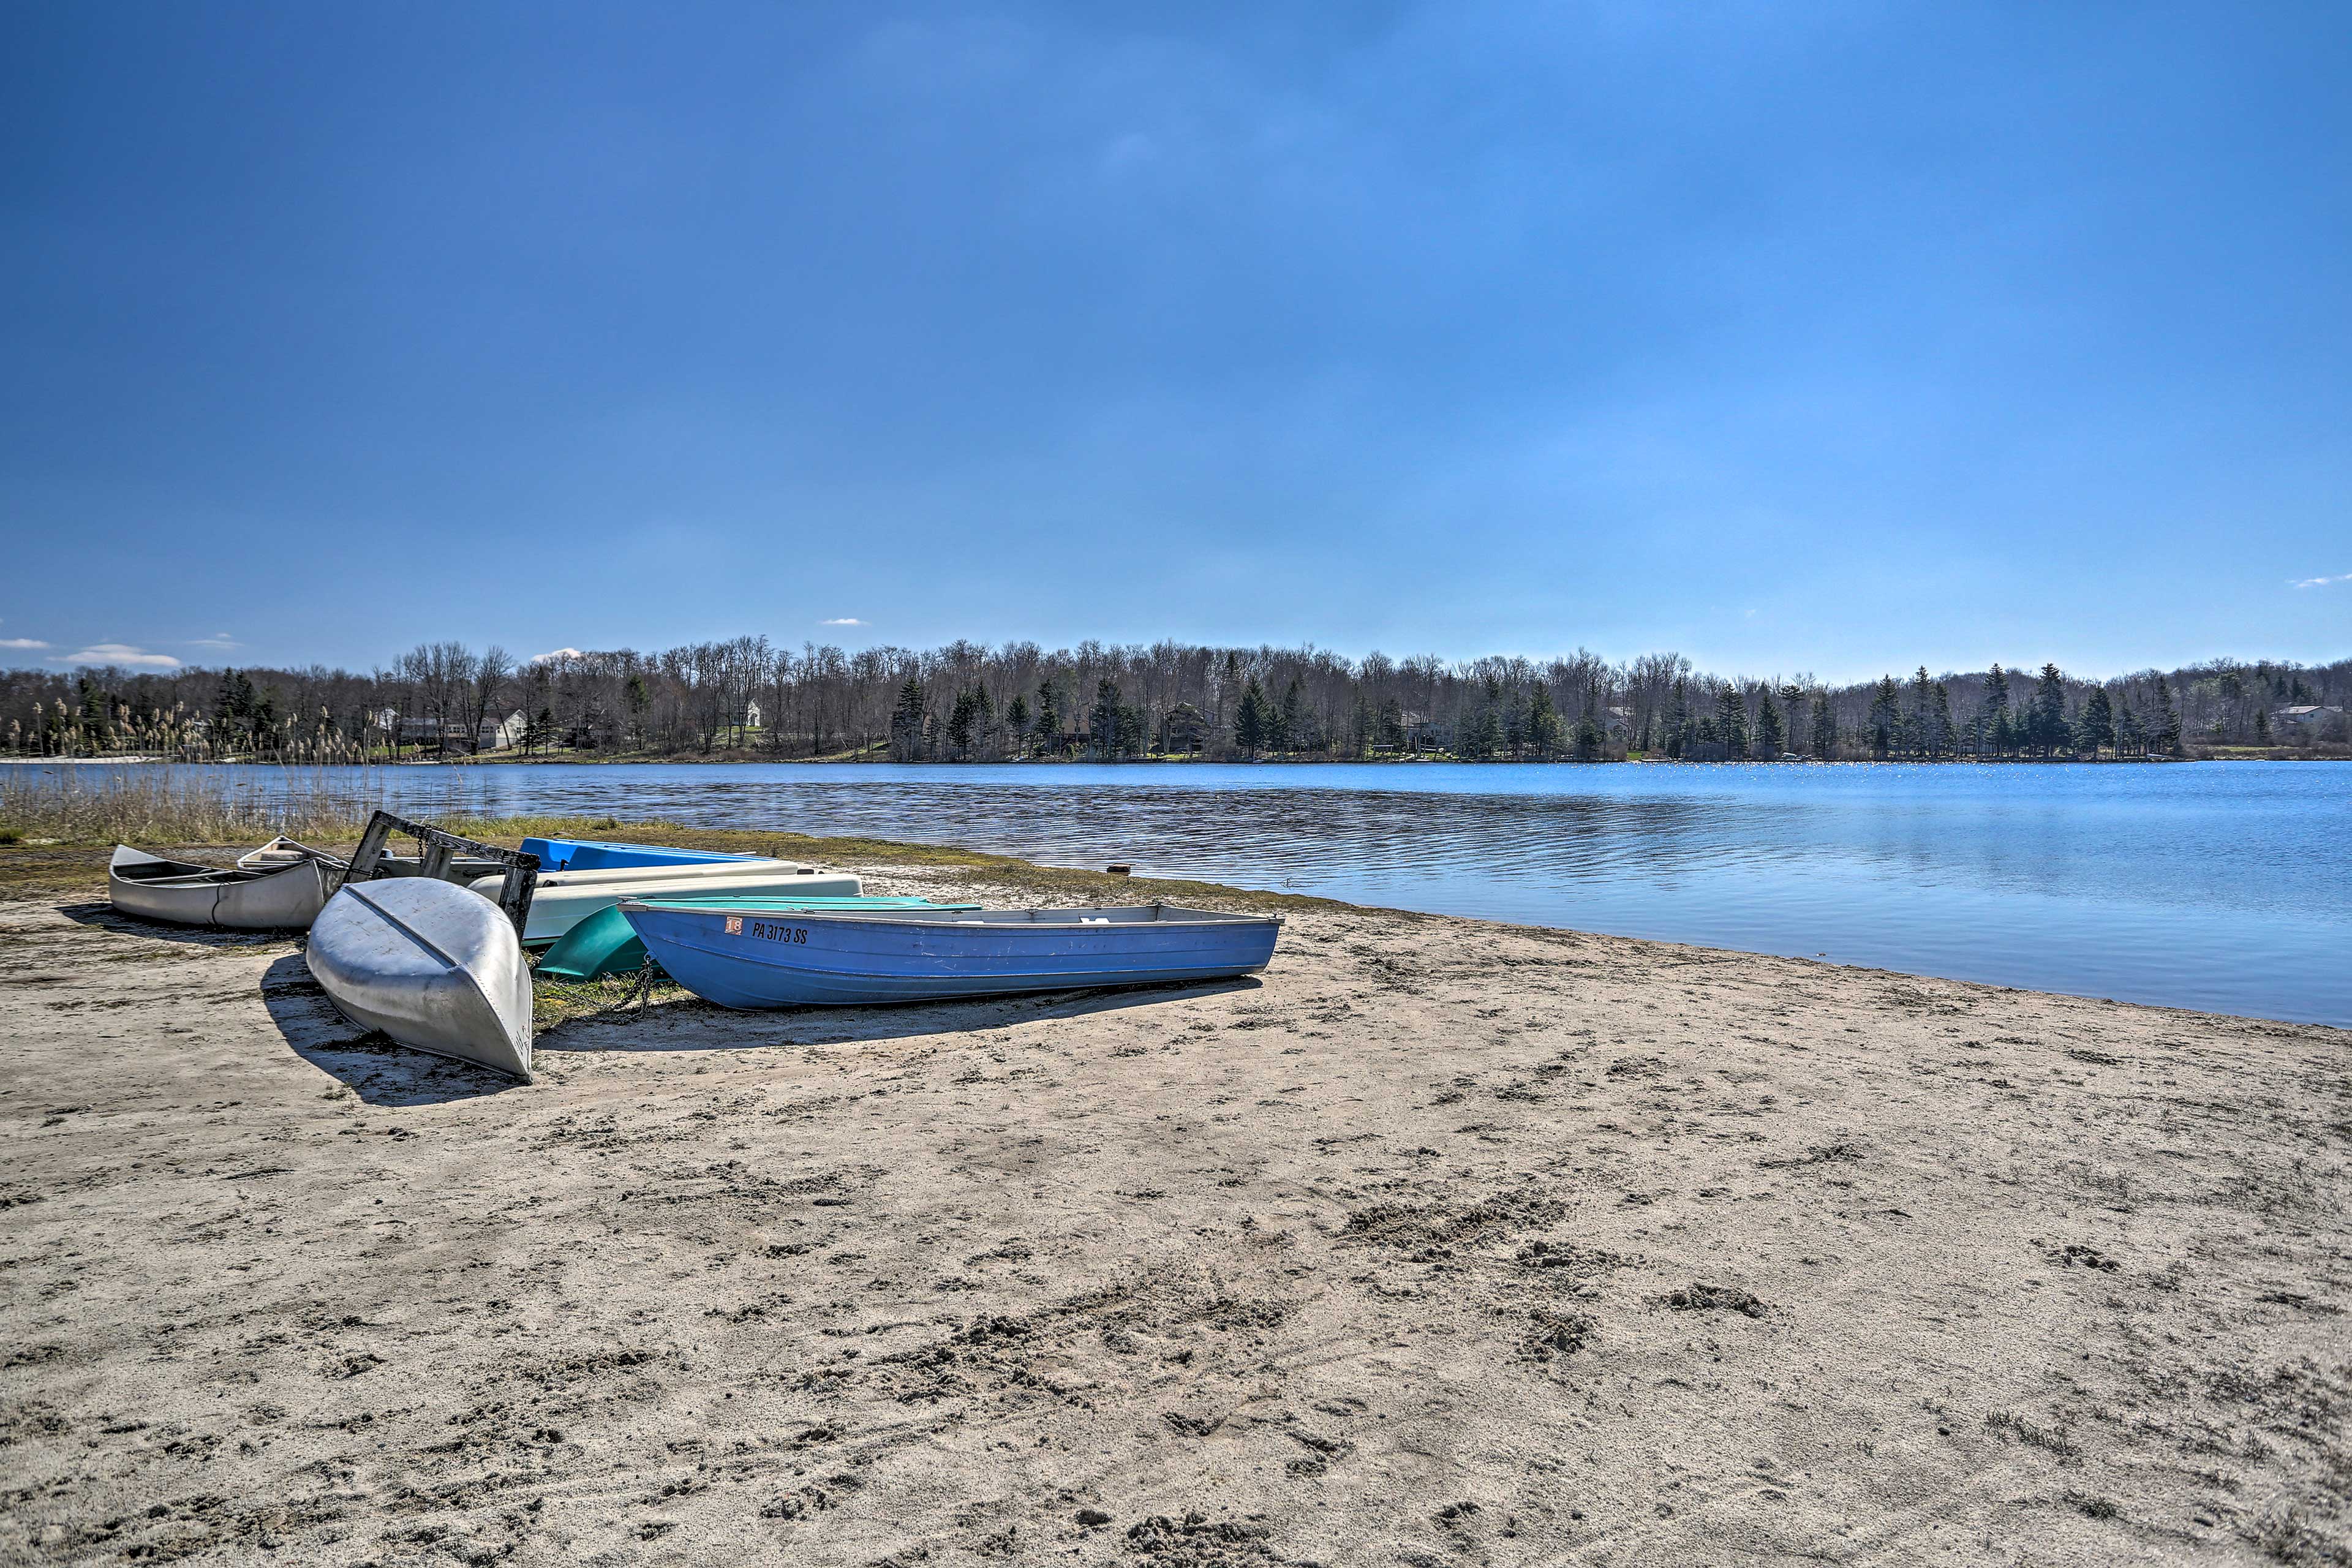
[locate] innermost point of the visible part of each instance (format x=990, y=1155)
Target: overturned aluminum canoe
x=283, y=897
x=433, y=964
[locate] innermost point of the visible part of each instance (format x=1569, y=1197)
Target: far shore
x=1443, y=1241
x=587, y=759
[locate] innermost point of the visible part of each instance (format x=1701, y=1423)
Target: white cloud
x=117, y=653
x=2320, y=581
x=556, y=654
x=843, y=621
x=218, y=640
x=22, y=642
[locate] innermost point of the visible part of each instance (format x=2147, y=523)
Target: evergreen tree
x=1102, y=723
x=1732, y=722
x=2262, y=727
x=1825, y=727
x=906, y=721
x=2048, y=719
x=1046, y=734
x=1943, y=736
x=637, y=700
x=1677, y=721
x=960, y=719
x=1767, y=730
x=1186, y=728
x=1016, y=718
x=1884, y=708
x=1297, y=727
x=1588, y=737
x=2096, y=727
x=2128, y=731
x=1543, y=721
x=1996, y=707
x=2166, y=730
x=1918, y=716
x=1250, y=720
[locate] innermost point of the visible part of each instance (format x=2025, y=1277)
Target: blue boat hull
x=594, y=855
x=798, y=959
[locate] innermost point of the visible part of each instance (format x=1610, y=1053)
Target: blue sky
x=1836, y=337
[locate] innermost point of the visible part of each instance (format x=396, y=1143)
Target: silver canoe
x=285, y=898
x=434, y=965
x=284, y=851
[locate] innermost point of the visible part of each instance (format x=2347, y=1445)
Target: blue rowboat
x=605, y=943
x=752, y=957
x=595, y=855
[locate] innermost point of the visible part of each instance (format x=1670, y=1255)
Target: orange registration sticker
x=734, y=925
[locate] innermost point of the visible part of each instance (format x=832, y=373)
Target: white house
x=2306, y=719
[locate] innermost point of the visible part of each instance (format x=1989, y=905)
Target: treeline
x=966, y=702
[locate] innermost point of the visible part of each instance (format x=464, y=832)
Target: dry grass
x=164, y=804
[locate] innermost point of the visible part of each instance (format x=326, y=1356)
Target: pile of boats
x=432, y=948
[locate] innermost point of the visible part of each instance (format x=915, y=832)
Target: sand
x=1445, y=1243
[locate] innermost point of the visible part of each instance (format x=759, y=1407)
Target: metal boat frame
x=439, y=858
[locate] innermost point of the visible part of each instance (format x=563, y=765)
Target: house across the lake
x=2306, y=719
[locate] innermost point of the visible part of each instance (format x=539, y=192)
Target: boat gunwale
x=1207, y=917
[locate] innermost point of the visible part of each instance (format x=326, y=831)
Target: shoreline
x=705, y=759
x=1443, y=1238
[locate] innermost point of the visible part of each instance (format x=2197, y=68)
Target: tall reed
x=164, y=802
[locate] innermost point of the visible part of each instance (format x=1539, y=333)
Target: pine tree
x=1996, y=707
x=1677, y=721
x=1250, y=720
x=1944, y=736
x=1103, y=723
x=1767, y=728
x=960, y=719
x=1825, y=727
x=2048, y=719
x=2096, y=727
x=1885, y=705
x=1543, y=723
x=906, y=721
x=1588, y=737
x=1016, y=718
x=1918, y=715
x=1046, y=734
x=1732, y=722
x=2167, y=728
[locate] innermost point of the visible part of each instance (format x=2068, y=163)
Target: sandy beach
x=1444, y=1243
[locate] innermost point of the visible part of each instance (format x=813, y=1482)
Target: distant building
x=752, y=714
x=2308, y=719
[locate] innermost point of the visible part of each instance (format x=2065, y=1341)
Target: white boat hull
x=432, y=964
x=562, y=900
x=283, y=897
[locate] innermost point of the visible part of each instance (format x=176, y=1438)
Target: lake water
x=2225, y=887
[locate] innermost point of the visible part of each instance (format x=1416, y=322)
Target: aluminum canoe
x=285, y=898
x=434, y=965
x=284, y=851
x=755, y=958
x=562, y=900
